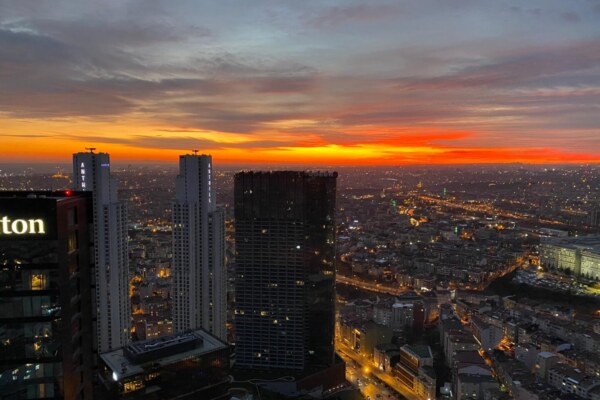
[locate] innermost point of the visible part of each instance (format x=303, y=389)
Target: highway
x=491, y=210
x=371, y=286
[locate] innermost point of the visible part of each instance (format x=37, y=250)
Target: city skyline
x=447, y=281
x=333, y=199
x=337, y=83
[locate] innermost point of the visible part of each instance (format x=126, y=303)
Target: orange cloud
x=136, y=140
x=396, y=152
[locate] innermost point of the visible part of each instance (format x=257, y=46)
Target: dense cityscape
x=300, y=200
x=470, y=282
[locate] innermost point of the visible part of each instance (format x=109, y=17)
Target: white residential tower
x=199, y=286
x=91, y=172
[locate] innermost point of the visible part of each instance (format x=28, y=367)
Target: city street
x=368, y=370
x=371, y=286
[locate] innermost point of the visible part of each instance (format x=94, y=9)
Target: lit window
x=38, y=282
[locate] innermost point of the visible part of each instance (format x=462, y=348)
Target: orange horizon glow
x=359, y=154
x=366, y=146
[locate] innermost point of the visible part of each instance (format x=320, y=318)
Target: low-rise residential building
x=527, y=354
x=472, y=383
x=414, y=370
x=572, y=380
x=488, y=336
x=364, y=336
x=459, y=341
x=383, y=354
x=544, y=362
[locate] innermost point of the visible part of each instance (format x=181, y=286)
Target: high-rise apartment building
x=198, y=273
x=285, y=269
x=45, y=295
x=91, y=172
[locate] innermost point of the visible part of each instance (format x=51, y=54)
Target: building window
x=133, y=386
x=72, y=216
x=72, y=242
x=39, y=281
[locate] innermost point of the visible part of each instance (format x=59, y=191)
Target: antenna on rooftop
x=91, y=149
x=195, y=151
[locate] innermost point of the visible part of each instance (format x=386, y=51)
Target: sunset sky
x=314, y=82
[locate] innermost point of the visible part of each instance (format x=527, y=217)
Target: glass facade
x=43, y=353
x=285, y=269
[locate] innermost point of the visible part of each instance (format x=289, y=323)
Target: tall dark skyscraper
x=45, y=295
x=285, y=269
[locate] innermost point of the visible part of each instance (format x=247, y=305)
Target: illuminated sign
x=22, y=226
x=82, y=173
x=209, y=184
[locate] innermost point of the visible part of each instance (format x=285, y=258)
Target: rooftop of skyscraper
x=167, y=350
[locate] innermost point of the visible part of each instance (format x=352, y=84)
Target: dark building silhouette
x=185, y=365
x=45, y=295
x=285, y=269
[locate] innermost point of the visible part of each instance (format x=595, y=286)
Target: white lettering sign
x=22, y=226
x=209, y=184
x=82, y=174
